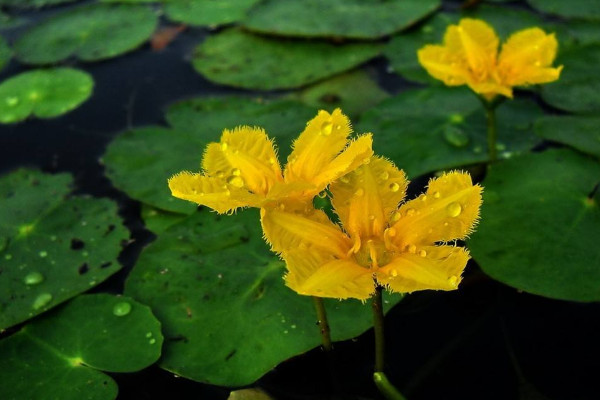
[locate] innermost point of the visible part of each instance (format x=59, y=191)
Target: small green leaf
x=583, y=9
x=427, y=130
x=207, y=12
x=539, y=227
x=43, y=93
x=90, y=32
x=52, y=247
x=227, y=316
x=240, y=59
x=357, y=19
x=581, y=133
x=59, y=355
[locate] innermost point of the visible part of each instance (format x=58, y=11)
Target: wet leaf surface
x=207, y=12
x=583, y=9
x=581, y=133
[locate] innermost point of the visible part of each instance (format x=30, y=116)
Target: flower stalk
x=323, y=324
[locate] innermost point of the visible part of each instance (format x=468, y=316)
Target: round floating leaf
x=539, y=229
x=227, y=316
x=353, y=92
x=92, y=32
x=240, y=59
x=579, y=84
x=52, y=247
x=32, y=3
x=59, y=355
x=158, y=220
x=140, y=161
x=584, y=9
x=401, y=51
x=581, y=133
x=43, y=93
x=359, y=19
x=427, y=130
x=207, y=12
x=5, y=53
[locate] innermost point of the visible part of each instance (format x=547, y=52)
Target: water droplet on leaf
x=43, y=253
x=41, y=301
x=121, y=309
x=456, y=136
x=33, y=278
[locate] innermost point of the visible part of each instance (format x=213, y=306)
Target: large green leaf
x=207, y=12
x=539, y=229
x=140, y=161
x=43, y=93
x=439, y=128
x=52, y=247
x=91, y=32
x=5, y=53
x=579, y=84
x=240, y=59
x=59, y=355
x=358, y=19
x=581, y=133
x=227, y=316
x=584, y=9
x=32, y=3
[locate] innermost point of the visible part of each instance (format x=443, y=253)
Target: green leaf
x=538, y=229
x=52, y=247
x=353, y=92
x=581, y=133
x=140, y=161
x=90, y=33
x=357, y=19
x=240, y=59
x=438, y=128
x=207, y=12
x=5, y=53
x=401, y=51
x=583, y=9
x=158, y=220
x=59, y=355
x=44, y=93
x=32, y=3
x=227, y=316
x=579, y=84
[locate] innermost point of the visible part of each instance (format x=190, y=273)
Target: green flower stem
x=492, y=131
x=386, y=388
x=323, y=324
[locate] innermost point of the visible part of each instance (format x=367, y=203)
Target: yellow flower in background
x=242, y=169
x=469, y=56
x=403, y=248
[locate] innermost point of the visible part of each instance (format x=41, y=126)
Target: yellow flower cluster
x=378, y=241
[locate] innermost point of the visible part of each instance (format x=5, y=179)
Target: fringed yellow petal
x=285, y=231
x=323, y=139
x=490, y=89
x=246, y=158
x=365, y=198
x=526, y=58
x=430, y=268
x=448, y=210
x=313, y=274
x=451, y=68
x=477, y=42
x=211, y=192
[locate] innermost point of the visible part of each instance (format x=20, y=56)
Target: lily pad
x=583, y=9
x=43, y=93
x=438, y=128
x=207, y=12
x=60, y=355
x=140, y=161
x=52, y=247
x=227, y=316
x=158, y=220
x=356, y=19
x=241, y=59
x=401, y=51
x=353, y=92
x=5, y=53
x=90, y=33
x=581, y=133
x=539, y=227
x=579, y=84
x=32, y=3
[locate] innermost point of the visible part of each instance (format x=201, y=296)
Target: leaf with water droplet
x=456, y=136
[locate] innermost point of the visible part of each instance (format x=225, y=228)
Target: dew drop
x=235, y=181
x=396, y=216
x=436, y=195
x=344, y=179
x=453, y=281
x=43, y=253
x=33, y=278
x=411, y=248
x=41, y=301
x=394, y=273
x=220, y=174
x=8, y=257
x=121, y=309
x=371, y=217
x=236, y=172
x=538, y=63
x=152, y=341
x=500, y=146
x=384, y=175
x=394, y=187
x=391, y=232
x=423, y=197
x=149, y=334
x=326, y=128
x=445, y=224
x=456, y=136
x=224, y=146
x=272, y=160
x=12, y=101
x=359, y=192
x=423, y=253
x=410, y=212
x=453, y=209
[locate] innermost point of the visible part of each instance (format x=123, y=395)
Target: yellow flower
x=242, y=169
x=403, y=248
x=469, y=56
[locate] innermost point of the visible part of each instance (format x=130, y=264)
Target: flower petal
x=526, y=58
x=245, y=157
x=365, y=198
x=439, y=269
x=285, y=231
x=451, y=68
x=477, y=43
x=211, y=192
x=312, y=274
x=449, y=210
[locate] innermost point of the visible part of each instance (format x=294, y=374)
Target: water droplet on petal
x=33, y=278
x=224, y=146
x=394, y=187
x=344, y=179
x=384, y=175
x=423, y=197
x=423, y=253
x=220, y=174
x=236, y=172
x=453, y=281
x=359, y=192
x=391, y=232
x=456, y=136
x=235, y=181
x=326, y=128
x=436, y=195
x=411, y=248
x=371, y=217
x=396, y=216
x=272, y=160
x=410, y=212
x=394, y=273
x=41, y=301
x=453, y=209
x=121, y=309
